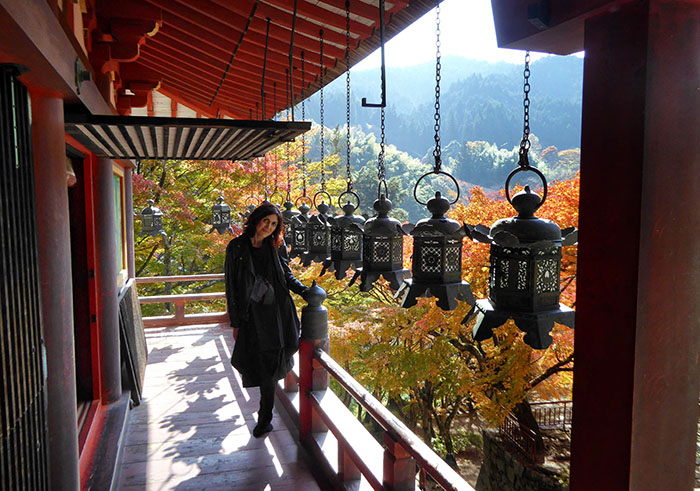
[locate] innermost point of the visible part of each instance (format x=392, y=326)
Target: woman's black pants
x=267, y=400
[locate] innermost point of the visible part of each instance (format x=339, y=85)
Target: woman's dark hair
x=265, y=209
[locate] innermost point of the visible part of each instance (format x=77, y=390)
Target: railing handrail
x=551, y=403
x=179, y=300
x=169, y=279
x=426, y=458
x=187, y=297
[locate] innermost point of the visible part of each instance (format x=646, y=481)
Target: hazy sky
x=466, y=29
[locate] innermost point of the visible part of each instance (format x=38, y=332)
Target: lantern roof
x=383, y=224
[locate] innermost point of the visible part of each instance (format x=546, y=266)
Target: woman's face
x=266, y=226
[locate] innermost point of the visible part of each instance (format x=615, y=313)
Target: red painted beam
x=192, y=100
x=321, y=17
x=217, y=68
x=214, y=25
x=235, y=13
x=228, y=40
x=172, y=68
x=306, y=23
x=274, y=64
x=242, y=103
x=200, y=80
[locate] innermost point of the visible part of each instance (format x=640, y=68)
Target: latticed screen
x=23, y=448
x=525, y=279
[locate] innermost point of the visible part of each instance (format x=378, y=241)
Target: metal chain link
x=525, y=143
x=347, y=92
x=303, y=135
x=381, y=172
x=323, y=150
x=437, y=152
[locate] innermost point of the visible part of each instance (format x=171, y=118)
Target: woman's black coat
x=239, y=277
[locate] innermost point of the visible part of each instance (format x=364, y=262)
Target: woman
x=261, y=310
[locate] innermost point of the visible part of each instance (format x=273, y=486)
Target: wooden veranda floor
x=193, y=428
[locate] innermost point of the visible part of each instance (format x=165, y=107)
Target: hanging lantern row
x=525, y=251
x=437, y=241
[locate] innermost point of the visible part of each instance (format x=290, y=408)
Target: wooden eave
x=209, y=54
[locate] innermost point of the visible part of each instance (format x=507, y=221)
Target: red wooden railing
x=403, y=450
x=326, y=427
x=180, y=318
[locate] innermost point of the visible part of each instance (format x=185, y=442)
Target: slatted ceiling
x=139, y=137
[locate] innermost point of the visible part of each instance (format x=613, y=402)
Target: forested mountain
x=480, y=101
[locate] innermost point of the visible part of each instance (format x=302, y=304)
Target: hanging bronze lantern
x=346, y=240
x=318, y=234
x=382, y=249
x=221, y=216
x=299, y=223
x=437, y=257
x=524, y=272
x=525, y=259
x=287, y=215
x=152, y=221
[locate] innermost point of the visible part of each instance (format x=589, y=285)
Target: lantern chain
x=303, y=135
x=347, y=91
x=437, y=152
x=323, y=151
x=381, y=172
x=525, y=143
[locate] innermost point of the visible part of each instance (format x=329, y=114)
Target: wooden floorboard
x=193, y=428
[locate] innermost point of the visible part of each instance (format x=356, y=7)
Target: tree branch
x=556, y=368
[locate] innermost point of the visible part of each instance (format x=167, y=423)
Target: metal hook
x=383, y=69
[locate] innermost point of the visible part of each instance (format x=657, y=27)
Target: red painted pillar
x=106, y=282
x=129, y=217
x=637, y=339
x=53, y=234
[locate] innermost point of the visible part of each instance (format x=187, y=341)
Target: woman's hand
x=235, y=333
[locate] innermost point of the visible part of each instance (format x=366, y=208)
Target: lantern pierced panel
x=503, y=270
x=352, y=242
x=397, y=255
x=319, y=239
x=522, y=275
x=430, y=259
x=380, y=250
x=546, y=276
x=336, y=241
x=453, y=256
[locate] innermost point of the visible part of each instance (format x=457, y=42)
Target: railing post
x=179, y=311
x=312, y=376
x=399, y=466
